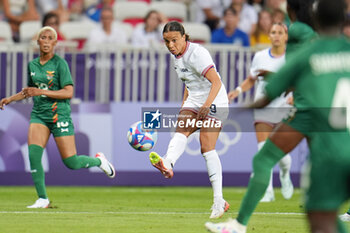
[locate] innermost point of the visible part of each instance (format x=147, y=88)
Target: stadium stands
x=6, y=34
x=198, y=32
x=77, y=31
x=130, y=12
x=173, y=10
x=28, y=29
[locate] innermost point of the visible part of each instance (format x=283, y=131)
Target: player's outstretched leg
x=160, y=163
x=231, y=226
x=105, y=166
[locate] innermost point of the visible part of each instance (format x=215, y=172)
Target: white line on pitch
x=132, y=213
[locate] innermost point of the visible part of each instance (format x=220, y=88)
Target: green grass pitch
x=139, y=210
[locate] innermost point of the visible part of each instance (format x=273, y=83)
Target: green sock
x=263, y=163
x=37, y=171
x=82, y=161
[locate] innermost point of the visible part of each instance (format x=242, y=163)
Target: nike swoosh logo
x=212, y=175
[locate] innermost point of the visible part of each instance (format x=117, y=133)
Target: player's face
x=175, y=42
x=47, y=41
x=278, y=35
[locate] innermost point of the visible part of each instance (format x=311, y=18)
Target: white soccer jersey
x=191, y=68
x=278, y=108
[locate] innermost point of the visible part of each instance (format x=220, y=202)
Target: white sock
x=215, y=173
x=285, y=163
x=176, y=147
x=270, y=187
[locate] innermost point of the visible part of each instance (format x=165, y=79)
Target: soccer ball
x=141, y=139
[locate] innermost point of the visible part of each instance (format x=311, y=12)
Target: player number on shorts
x=62, y=124
x=213, y=108
x=339, y=116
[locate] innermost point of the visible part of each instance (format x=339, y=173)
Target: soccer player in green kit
x=51, y=86
x=324, y=66
x=287, y=135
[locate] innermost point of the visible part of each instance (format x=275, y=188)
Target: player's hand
x=202, y=113
x=3, y=102
x=31, y=91
x=232, y=95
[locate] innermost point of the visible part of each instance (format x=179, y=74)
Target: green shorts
x=300, y=120
x=61, y=128
x=327, y=184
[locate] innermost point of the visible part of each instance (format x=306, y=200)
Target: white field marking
x=134, y=213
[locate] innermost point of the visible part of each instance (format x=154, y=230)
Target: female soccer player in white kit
x=205, y=99
x=270, y=60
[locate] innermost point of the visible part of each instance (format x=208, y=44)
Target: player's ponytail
x=174, y=26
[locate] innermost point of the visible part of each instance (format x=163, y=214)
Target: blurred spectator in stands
x=272, y=5
x=211, y=11
x=59, y=7
x=278, y=16
x=76, y=10
x=230, y=32
x=105, y=33
x=149, y=33
x=257, y=4
x=260, y=38
x=51, y=19
x=248, y=17
x=346, y=27
x=94, y=11
x=18, y=11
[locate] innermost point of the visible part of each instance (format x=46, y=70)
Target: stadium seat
x=125, y=27
x=6, y=34
x=173, y=10
x=131, y=12
x=28, y=29
x=198, y=32
x=77, y=31
x=147, y=1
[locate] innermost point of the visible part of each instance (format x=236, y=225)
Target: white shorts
x=273, y=113
x=218, y=110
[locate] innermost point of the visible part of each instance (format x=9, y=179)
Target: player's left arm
x=215, y=80
x=65, y=93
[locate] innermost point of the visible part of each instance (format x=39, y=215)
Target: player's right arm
x=16, y=97
x=246, y=85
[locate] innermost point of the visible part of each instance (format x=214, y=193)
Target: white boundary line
x=135, y=213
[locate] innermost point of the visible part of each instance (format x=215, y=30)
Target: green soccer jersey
x=53, y=75
x=321, y=74
x=298, y=34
